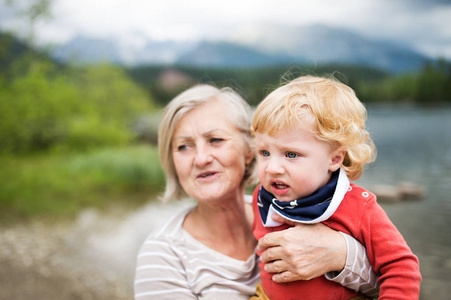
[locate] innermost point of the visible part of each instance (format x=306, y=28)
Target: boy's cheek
x=260, y=173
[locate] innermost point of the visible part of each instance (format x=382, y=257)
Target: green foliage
x=431, y=85
x=434, y=83
x=52, y=113
x=61, y=185
x=393, y=89
x=124, y=169
x=108, y=103
x=34, y=110
x=77, y=109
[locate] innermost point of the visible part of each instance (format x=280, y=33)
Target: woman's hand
x=302, y=252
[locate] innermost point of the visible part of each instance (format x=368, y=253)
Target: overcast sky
x=422, y=23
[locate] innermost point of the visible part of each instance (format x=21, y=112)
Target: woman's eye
x=181, y=147
x=216, y=140
x=291, y=155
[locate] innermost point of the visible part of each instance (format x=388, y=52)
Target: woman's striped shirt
x=171, y=264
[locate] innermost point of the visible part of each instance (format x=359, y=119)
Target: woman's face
x=209, y=154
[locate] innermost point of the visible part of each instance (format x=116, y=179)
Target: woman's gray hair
x=238, y=112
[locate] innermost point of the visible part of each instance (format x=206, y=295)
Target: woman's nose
x=203, y=156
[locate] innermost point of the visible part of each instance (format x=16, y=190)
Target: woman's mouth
x=206, y=175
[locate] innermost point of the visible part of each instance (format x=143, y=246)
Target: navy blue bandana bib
x=315, y=208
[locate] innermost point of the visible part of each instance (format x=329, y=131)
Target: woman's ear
x=249, y=156
x=337, y=157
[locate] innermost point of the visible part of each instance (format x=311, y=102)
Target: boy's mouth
x=280, y=186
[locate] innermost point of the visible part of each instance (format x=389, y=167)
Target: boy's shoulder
x=358, y=196
x=356, y=204
x=355, y=190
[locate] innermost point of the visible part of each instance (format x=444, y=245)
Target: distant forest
x=164, y=82
x=45, y=104
x=429, y=87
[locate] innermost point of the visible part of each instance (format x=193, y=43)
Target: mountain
x=93, y=50
x=88, y=50
x=252, y=47
x=224, y=54
x=319, y=44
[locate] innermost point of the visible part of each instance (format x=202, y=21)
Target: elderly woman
x=208, y=251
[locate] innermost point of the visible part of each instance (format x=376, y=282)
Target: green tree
x=434, y=83
x=109, y=103
x=35, y=110
x=48, y=109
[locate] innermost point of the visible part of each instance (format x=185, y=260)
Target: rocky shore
x=40, y=261
x=92, y=257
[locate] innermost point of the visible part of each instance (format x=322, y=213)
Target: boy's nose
x=274, y=166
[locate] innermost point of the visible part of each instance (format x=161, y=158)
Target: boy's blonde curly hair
x=337, y=114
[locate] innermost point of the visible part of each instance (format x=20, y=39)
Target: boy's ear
x=337, y=157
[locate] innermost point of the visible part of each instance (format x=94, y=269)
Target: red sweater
x=360, y=216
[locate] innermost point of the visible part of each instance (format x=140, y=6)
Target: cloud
x=423, y=24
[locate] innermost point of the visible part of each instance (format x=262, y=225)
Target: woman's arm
x=357, y=274
x=303, y=252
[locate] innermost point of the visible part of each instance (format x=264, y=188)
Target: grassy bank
x=59, y=186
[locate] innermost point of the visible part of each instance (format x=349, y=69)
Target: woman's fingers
x=277, y=266
x=298, y=235
x=284, y=272
x=302, y=252
x=272, y=239
x=286, y=276
x=272, y=254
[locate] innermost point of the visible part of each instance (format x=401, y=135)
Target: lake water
x=415, y=145
x=94, y=257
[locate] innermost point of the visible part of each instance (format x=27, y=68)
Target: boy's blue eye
x=265, y=153
x=291, y=155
